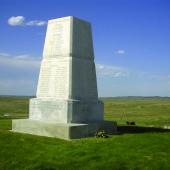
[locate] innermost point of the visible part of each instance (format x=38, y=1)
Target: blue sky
x=131, y=43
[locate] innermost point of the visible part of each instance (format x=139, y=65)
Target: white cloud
x=16, y=86
x=18, y=74
x=20, y=21
x=4, y=54
x=14, y=21
x=110, y=70
x=120, y=52
x=24, y=61
x=36, y=23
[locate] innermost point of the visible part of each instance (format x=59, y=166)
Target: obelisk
x=66, y=103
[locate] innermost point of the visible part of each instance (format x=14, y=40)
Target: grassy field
x=144, y=111
x=140, y=147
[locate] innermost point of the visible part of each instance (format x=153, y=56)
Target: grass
x=148, y=149
x=144, y=111
x=14, y=106
x=144, y=151
x=5, y=124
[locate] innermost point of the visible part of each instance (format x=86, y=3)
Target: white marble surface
x=58, y=36
x=66, y=105
x=54, y=78
x=67, y=75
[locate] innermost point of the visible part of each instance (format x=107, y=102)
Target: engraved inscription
x=43, y=84
x=54, y=78
x=57, y=39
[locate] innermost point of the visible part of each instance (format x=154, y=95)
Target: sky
x=131, y=43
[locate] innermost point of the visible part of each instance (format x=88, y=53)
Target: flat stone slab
x=65, y=131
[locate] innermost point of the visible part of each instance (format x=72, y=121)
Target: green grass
x=147, y=150
x=144, y=111
x=14, y=106
x=5, y=124
x=144, y=151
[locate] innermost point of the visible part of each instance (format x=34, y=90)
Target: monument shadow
x=140, y=129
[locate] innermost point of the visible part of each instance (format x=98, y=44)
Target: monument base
x=65, y=111
x=62, y=130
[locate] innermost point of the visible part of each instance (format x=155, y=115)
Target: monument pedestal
x=65, y=131
x=65, y=111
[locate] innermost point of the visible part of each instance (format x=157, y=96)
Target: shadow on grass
x=140, y=129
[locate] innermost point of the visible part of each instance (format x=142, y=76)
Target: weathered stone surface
x=67, y=99
x=67, y=69
x=65, y=111
x=67, y=89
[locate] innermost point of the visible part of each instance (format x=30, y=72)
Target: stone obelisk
x=66, y=103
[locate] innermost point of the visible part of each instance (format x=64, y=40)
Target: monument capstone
x=66, y=103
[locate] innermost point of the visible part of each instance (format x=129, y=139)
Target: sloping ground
x=132, y=151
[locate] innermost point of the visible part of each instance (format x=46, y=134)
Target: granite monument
x=66, y=103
